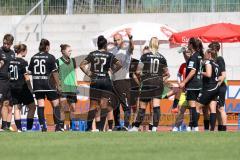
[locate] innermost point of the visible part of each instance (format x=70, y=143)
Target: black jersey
x=17, y=70
x=41, y=67
x=194, y=62
x=153, y=65
x=220, y=61
x=100, y=62
x=222, y=68
x=211, y=82
x=6, y=57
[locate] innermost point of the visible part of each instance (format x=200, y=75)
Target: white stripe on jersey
x=45, y=90
x=213, y=88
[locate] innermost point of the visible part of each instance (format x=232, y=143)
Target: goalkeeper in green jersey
x=67, y=74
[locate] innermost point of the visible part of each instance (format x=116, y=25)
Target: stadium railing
x=21, y=7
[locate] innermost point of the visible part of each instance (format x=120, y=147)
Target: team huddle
x=116, y=79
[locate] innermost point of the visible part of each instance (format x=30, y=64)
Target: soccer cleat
x=189, y=129
x=150, y=126
x=124, y=128
x=109, y=130
x=134, y=129
x=154, y=129
x=19, y=131
x=117, y=128
x=11, y=129
x=175, y=129
x=95, y=130
x=59, y=129
x=175, y=110
x=195, y=129
x=44, y=129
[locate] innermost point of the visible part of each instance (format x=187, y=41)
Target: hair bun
x=16, y=48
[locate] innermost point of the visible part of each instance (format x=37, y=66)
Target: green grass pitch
x=120, y=146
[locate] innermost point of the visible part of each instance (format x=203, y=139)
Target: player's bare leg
x=30, y=115
x=41, y=116
x=94, y=105
x=64, y=107
x=140, y=116
x=179, y=118
x=17, y=117
x=5, y=115
x=223, y=117
x=72, y=111
x=9, y=117
x=103, y=114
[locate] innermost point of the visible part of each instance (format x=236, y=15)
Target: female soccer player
x=222, y=121
x=6, y=55
x=42, y=66
x=208, y=94
x=21, y=87
x=153, y=73
x=67, y=74
x=101, y=64
x=193, y=81
x=180, y=97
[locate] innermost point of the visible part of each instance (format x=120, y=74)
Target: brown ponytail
x=64, y=47
x=20, y=48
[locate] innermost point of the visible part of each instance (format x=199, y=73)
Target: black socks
x=90, y=117
x=18, y=124
x=140, y=117
x=156, y=116
x=175, y=103
x=41, y=117
x=213, y=117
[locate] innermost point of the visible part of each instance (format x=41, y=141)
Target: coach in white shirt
x=121, y=79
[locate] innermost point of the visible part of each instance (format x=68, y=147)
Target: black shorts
x=100, y=88
x=151, y=88
x=222, y=95
x=121, y=89
x=192, y=95
x=22, y=96
x=134, y=93
x=71, y=97
x=5, y=91
x=50, y=95
x=207, y=95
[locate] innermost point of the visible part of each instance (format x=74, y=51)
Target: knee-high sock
x=29, y=123
x=175, y=103
x=116, y=114
x=41, y=117
x=57, y=115
x=110, y=124
x=156, y=116
x=213, y=117
x=194, y=117
x=4, y=124
x=90, y=117
x=8, y=124
x=206, y=124
x=140, y=117
x=18, y=124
